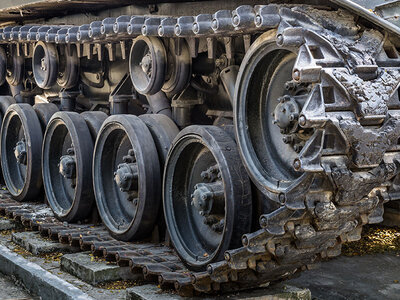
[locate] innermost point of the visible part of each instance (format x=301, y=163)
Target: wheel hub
x=43, y=65
x=126, y=176
x=20, y=152
x=68, y=166
x=146, y=64
x=286, y=113
x=204, y=196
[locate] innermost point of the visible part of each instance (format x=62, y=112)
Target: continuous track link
x=265, y=258
x=323, y=210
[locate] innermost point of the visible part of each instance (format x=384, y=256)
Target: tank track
x=324, y=211
x=266, y=257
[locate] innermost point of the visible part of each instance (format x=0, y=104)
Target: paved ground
x=10, y=290
x=359, y=277
x=374, y=276
x=53, y=266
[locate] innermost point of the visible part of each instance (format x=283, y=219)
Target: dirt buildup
x=117, y=285
x=374, y=239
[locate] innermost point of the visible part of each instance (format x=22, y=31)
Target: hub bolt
x=297, y=164
x=287, y=139
x=293, y=116
x=302, y=121
x=296, y=75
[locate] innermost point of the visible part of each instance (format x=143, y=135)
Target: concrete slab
x=6, y=224
x=357, y=277
x=34, y=243
x=36, y=279
x=11, y=290
x=277, y=292
x=51, y=263
x=93, y=271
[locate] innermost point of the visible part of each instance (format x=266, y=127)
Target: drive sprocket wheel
x=266, y=113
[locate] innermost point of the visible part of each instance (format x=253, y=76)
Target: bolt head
x=302, y=121
x=235, y=20
x=258, y=20
x=245, y=241
x=210, y=269
x=195, y=27
x=297, y=164
x=282, y=198
x=178, y=29
x=296, y=75
x=263, y=222
x=144, y=30
x=227, y=256
x=279, y=39
x=214, y=24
